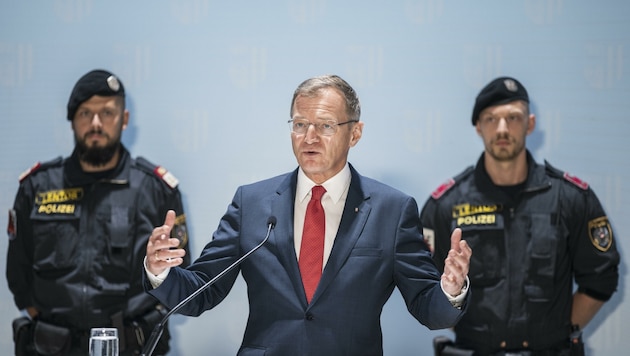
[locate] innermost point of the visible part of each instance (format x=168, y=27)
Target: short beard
x=97, y=156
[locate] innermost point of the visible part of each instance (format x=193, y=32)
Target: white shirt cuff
x=155, y=281
x=458, y=300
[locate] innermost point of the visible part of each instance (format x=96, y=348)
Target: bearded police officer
x=534, y=230
x=78, y=231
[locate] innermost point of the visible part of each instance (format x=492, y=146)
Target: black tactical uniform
x=77, y=243
x=529, y=246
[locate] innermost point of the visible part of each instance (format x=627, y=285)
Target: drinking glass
x=104, y=342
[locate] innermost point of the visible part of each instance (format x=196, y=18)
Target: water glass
x=104, y=342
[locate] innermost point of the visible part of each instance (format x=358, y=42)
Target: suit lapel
x=283, y=237
x=355, y=214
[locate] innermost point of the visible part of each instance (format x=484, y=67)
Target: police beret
x=501, y=90
x=97, y=82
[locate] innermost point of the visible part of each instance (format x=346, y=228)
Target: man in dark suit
x=370, y=242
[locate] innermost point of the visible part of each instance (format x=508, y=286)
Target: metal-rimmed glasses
x=324, y=128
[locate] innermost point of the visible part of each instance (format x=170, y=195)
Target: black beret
x=499, y=91
x=97, y=82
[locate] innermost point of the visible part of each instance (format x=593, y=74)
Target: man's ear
x=125, y=119
x=531, y=123
x=357, y=132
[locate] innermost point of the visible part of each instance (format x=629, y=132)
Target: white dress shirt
x=333, y=201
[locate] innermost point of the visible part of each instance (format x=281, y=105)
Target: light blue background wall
x=209, y=86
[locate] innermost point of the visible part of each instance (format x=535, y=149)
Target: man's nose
x=502, y=125
x=96, y=120
x=311, y=133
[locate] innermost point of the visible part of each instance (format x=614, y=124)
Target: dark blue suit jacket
x=378, y=246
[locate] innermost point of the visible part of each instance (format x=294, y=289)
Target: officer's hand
x=162, y=251
x=456, y=264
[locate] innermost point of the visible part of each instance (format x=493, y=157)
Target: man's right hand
x=162, y=251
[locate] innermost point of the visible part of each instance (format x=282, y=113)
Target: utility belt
x=443, y=346
x=37, y=337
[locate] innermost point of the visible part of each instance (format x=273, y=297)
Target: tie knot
x=317, y=192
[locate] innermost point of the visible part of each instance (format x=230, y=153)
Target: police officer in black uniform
x=534, y=231
x=78, y=233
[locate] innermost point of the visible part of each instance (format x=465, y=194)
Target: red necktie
x=312, y=248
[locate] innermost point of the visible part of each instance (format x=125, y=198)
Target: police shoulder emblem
x=443, y=188
x=600, y=233
x=179, y=230
x=166, y=176
x=575, y=180
x=28, y=172
x=12, y=226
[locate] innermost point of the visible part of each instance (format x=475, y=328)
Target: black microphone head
x=271, y=221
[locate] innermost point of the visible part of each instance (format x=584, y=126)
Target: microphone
x=149, y=347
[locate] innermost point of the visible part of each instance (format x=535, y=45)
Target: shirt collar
x=335, y=186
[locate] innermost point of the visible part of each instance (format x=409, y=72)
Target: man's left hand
x=456, y=264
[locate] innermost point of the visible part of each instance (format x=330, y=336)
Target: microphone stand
x=149, y=347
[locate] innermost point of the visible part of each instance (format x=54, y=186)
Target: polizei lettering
x=470, y=214
x=485, y=219
x=56, y=209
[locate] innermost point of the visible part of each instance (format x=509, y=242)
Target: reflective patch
x=59, y=196
x=481, y=219
x=600, y=233
x=58, y=201
x=429, y=238
x=47, y=209
x=467, y=209
x=12, y=226
x=180, y=231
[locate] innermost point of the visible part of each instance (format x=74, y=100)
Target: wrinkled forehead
x=325, y=104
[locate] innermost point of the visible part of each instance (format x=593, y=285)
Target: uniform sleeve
x=438, y=228
x=592, y=243
x=217, y=255
x=172, y=200
x=156, y=199
x=20, y=250
x=415, y=271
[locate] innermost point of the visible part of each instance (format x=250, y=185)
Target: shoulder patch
x=28, y=172
x=159, y=171
x=600, y=233
x=180, y=231
x=429, y=238
x=166, y=176
x=12, y=225
x=38, y=165
x=443, y=188
x=575, y=180
x=555, y=172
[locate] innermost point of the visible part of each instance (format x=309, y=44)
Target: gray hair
x=312, y=86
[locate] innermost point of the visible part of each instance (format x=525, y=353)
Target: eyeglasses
x=106, y=116
x=324, y=128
